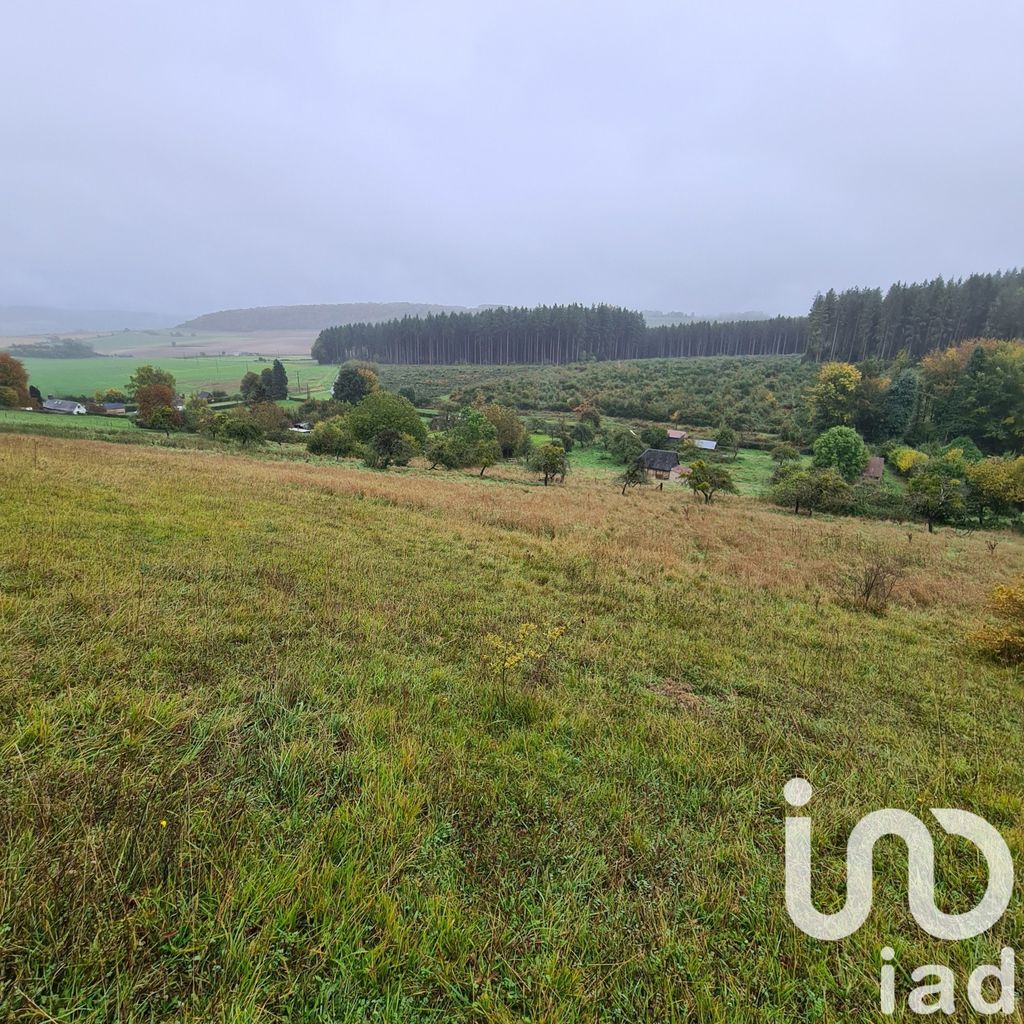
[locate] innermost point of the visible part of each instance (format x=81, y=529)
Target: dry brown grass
x=650, y=533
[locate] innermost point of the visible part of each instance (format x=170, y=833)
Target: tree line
x=914, y=319
x=551, y=334
x=850, y=325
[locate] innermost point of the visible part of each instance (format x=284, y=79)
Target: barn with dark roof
x=661, y=464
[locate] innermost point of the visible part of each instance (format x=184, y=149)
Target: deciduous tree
x=843, y=449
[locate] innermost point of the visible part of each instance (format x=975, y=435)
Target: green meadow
x=196, y=373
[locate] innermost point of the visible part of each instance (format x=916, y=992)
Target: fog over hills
x=20, y=320
x=312, y=318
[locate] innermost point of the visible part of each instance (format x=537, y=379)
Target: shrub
x=1004, y=640
x=785, y=452
x=813, y=490
x=871, y=586
x=333, y=437
x=906, y=460
x=390, y=447
x=874, y=501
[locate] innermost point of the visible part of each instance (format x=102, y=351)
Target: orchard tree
x=241, y=428
x=583, y=434
x=936, y=497
x=707, y=479
x=784, y=452
x=727, y=440
x=843, y=449
x=634, y=475
x=995, y=485
x=549, y=460
x=165, y=418
x=439, y=451
x=471, y=431
x=623, y=445
x=271, y=419
x=589, y=413
x=487, y=454
x=810, y=489
x=333, y=437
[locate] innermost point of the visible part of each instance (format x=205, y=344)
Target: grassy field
x=19, y=419
x=261, y=762
x=86, y=376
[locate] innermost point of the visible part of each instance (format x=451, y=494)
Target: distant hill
x=656, y=318
x=311, y=318
x=25, y=320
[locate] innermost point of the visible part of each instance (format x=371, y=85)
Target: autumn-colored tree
x=153, y=397
x=147, y=376
x=13, y=382
x=832, y=397
x=995, y=485
x=1004, y=639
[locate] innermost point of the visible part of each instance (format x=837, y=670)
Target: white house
x=63, y=406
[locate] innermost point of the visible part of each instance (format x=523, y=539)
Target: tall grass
x=255, y=767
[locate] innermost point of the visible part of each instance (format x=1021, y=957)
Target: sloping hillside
x=303, y=742
x=311, y=318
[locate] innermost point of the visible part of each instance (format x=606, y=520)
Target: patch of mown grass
x=255, y=768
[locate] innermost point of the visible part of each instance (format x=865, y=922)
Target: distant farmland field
x=84, y=376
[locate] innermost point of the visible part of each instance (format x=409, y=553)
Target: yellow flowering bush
x=906, y=460
x=1004, y=641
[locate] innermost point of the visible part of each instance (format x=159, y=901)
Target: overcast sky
x=187, y=156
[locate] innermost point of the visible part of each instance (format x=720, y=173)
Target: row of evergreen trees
x=552, y=334
x=915, y=318
x=545, y=334
x=850, y=326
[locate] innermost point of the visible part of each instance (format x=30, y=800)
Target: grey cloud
x=663, y=155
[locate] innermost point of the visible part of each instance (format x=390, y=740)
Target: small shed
x=676, y=435
x=874, y=470
x=115, y=408
x=660, y=464
x=705, y=445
